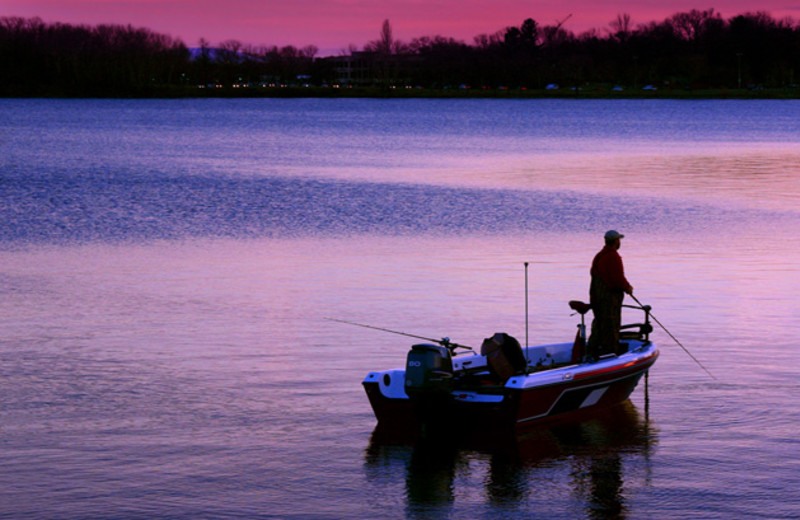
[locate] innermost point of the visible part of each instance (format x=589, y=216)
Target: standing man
x=608, y=288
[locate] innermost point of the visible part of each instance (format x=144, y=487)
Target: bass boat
x=506, y=385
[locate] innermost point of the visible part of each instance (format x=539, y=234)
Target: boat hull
x=541, y=404
x=524, y=400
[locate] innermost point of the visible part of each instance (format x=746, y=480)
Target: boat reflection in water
x=595, y=459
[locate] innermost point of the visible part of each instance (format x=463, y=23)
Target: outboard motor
x=429, y=371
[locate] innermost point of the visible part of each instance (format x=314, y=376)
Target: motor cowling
x=429, y=371
x=504, y=356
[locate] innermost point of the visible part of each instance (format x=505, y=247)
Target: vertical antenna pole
x=526, y=309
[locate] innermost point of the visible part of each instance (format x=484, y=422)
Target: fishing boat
x=506, y=385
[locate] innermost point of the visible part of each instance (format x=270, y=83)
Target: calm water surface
x=166, y=268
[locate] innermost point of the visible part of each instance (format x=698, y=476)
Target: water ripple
x=100, y=207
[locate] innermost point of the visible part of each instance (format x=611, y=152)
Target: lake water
x=166, y=268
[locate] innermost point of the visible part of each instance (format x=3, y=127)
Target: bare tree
x=309, y=51
x=385, y=43
x=621, y=27
x=691, y=25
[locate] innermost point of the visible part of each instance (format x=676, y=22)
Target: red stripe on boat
x=614, y=368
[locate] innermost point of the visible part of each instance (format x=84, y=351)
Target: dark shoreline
x=415, y=93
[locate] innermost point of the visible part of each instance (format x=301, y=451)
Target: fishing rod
x=675, y=339
x=445, y=342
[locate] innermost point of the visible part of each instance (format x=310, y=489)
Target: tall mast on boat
x=527, y=361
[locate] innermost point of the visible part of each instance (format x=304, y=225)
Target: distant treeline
x=689, y=50
x=61, y=59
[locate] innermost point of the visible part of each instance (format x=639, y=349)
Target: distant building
x=354, y=69
x=365, y=68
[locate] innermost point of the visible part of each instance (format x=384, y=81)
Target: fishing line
x=675, y=339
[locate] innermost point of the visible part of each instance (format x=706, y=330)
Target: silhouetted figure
x=606, y=292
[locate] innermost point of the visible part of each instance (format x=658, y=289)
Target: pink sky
x=333, y=25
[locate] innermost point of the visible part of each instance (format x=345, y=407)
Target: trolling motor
x=644, y=329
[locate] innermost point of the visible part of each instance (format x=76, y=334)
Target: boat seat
x=580, y=307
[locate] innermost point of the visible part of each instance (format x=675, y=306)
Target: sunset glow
x=334, y=25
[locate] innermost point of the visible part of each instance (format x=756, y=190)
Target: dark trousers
x=607, y=310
